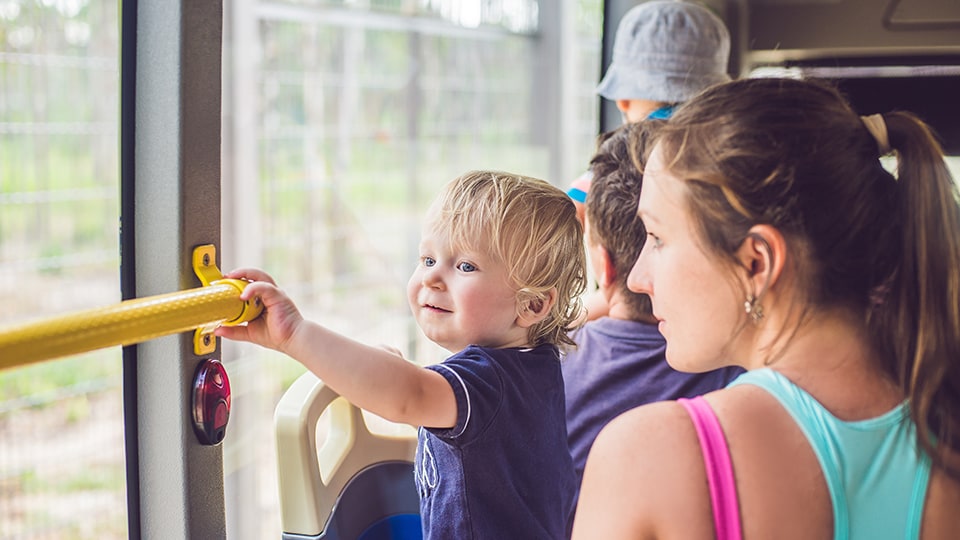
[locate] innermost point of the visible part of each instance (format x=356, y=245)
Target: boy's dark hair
x=612, y=204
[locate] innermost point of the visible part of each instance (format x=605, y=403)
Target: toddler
x=498, y=284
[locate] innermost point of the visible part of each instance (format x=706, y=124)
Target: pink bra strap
x=716, y=458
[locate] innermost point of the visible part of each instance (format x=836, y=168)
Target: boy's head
x=530, y=228
x=611, y=214
x=666, y=51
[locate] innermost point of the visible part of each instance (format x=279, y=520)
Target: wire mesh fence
x=341, y=120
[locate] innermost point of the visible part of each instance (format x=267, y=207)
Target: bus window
x=340, y=125
x=61, y=430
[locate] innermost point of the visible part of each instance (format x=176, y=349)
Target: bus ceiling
x=781, y=30
x=884, y=54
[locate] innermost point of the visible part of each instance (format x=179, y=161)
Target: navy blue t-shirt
x=618, y=365
x=503, y=471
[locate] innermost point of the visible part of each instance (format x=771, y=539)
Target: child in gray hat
x=664, y=53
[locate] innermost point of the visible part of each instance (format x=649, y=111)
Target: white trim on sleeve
x=465, y=393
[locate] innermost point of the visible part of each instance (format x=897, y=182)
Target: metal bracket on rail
x=205, y=266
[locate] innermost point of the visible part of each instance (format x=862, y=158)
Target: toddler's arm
x=372, y=378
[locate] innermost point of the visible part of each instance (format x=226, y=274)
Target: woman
x=779, y=243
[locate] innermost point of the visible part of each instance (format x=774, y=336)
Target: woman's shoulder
x=657, y=445
x=645, y=465
x=665, y=428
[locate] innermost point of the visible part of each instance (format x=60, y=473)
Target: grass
x=48, y=382
x=88, y=478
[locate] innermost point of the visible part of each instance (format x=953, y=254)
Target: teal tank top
x=876, y=474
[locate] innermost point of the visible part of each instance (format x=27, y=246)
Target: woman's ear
x=762, y=254
x=536, y=309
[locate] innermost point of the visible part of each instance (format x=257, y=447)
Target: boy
x=619, y=361
x=664, y=53
x=498, y=283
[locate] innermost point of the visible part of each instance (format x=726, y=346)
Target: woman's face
x=699, y=308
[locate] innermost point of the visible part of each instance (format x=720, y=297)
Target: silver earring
x=753, y=308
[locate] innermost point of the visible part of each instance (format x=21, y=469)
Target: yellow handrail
x=129, y=322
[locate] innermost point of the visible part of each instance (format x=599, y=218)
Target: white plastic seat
x=357, y=485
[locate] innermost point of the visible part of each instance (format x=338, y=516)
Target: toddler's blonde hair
x=531, y=227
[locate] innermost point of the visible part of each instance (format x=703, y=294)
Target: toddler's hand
x=278, y=321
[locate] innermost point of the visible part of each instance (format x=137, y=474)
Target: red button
x=211, y=402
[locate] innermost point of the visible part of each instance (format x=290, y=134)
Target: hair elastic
x=878, y=128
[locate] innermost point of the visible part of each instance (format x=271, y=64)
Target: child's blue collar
x=662, y=113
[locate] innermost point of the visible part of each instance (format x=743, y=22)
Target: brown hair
x=612, y=202
x=532, y=228
x=794, y=155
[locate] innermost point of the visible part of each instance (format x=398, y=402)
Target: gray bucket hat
x=666, y=50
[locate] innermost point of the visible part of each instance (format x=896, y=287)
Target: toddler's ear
x=536, y=309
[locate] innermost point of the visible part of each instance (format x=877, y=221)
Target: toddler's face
x=462, y=297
